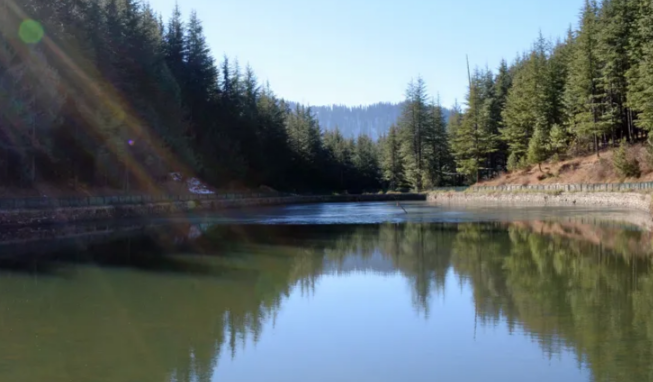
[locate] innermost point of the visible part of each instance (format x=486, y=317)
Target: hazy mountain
x=373, y=120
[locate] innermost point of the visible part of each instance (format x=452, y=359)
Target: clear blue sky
x=365, y=51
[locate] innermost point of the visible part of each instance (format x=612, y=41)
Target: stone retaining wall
x=29, y=217
x=634, y=201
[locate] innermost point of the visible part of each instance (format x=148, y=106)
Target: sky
x=360, y=52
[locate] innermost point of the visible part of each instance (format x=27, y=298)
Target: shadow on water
x=177, y=249
x=157, y=248
x=29, y=266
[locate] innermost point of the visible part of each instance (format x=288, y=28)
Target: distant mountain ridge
x=372, y=120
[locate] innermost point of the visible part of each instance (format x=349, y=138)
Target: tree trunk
x=596, y=145
x=630, y=125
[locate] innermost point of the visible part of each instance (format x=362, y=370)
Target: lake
x=334, y=292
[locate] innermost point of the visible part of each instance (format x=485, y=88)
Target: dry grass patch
x=582, y=169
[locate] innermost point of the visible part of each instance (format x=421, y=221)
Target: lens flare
x=30, y=31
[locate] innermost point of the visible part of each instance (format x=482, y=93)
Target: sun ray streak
x=99, y=104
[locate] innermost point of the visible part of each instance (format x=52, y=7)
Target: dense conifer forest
x=104, y=93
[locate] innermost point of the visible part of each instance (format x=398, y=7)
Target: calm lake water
x=333, y=292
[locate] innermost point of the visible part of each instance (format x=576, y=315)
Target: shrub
x=649, y=150
x=558, y=139
x=625, y=166
x=516, y=163
x=512, y=162
x=537, y=148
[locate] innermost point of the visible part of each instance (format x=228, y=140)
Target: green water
x=311, y=293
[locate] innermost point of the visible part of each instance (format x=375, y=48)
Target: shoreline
x=637, y=202
x=17, y=218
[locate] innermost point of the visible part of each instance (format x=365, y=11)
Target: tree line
x=373, y=120
x=576, y=95
x=571, y=96
x=107, y=94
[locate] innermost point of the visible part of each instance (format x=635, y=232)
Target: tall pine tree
x=392, y=164
x=413, y=123
x=473, y=140
x=584, y=92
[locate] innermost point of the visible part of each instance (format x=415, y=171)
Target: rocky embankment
x=634, y=201
x=32, y=217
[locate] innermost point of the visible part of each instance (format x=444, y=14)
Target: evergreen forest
x=105, y=93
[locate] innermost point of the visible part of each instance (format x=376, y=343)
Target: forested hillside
x=588, y=91
x=372, y=120
x=352, y=121
x=591, y=90
x=105, y=94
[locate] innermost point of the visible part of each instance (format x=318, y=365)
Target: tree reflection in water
x=162, y=305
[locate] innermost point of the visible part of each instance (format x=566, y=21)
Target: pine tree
x=392, y=160
x=501, y=88
x=517, y=114
x=413, y=124
x=640, y=75
x=133, y=57
x=175, y=45
x=200, y=75
x=453, y=126
x=558, y=139
x=558, y=73
x=455, y=120
x=437, y=153
x=625, y=166
x=305, y=138
x=473, y=140
x=341, y=151
x=615, y=24
x=532, y=104
x=274, y=138
x=489, y=115
x=537, y=148
x=583, y=93
x=30, y=105
x=366, y=162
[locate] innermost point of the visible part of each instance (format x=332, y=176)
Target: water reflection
x=167, y=302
